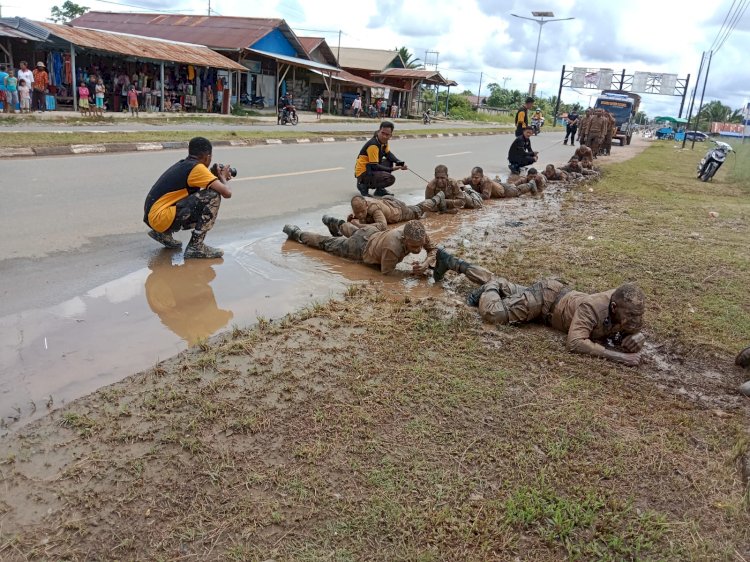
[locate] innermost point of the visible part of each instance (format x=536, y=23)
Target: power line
x=142, y=7
x=738, y=15
x=721, y=29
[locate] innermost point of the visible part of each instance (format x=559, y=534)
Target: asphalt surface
x=86, y=298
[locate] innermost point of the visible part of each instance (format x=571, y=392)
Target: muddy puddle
x=53, y=355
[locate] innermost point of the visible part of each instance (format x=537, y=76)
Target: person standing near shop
x=25, y=74
x=3, y=88
x=39, y=87
x=24, y=96
x=319, y=107
x=357, y=105
x=11, y=92
x=133, y=100
x=99, y=91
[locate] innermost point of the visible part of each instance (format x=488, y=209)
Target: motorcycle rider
x=286, y=103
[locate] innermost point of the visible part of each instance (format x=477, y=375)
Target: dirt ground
x=390, y=425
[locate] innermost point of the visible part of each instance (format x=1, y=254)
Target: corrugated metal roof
x=218, y=32
x=431, y=76
x=6, y=31
x=368, y=59
x=311, y=44
x=142, y=47
x=297, y=61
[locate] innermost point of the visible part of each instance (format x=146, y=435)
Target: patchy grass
x=377, y=429
x=71, y=137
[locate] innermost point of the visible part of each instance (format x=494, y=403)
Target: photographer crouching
x=187, y=196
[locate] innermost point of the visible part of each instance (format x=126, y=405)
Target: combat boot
x=333, y=224
x=165, y=239
x=197, y=249
x=445, y=262
x=472, y=299
x=293, y=232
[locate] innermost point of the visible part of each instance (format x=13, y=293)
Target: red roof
x=218, y=32
x=310, y=43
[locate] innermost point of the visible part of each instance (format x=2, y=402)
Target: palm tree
x=409, y=60
x=738, y=115
x=715, y=111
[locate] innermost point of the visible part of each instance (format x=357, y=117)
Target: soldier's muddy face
x=476, y=179
x=441, y=179
x=626, y=318
x=359, y=209
x=413, y=246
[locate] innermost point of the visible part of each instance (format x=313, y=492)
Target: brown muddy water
x=54, y=355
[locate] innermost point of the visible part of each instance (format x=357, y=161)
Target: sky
x=473, y=38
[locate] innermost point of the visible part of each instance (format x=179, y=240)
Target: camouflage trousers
x=197, y=211
x=349, y=247
x=503, y=302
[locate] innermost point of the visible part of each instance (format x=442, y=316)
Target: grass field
x=34, y=139
x=386, y=427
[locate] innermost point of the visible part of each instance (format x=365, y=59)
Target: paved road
x=87, y=298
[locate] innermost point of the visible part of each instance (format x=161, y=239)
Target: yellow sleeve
x=521, y=119
x=201, y=177
x=373, y=154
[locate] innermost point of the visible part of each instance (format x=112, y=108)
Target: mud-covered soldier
x=187, y=196
x=384, y=249
x=522, y=116
x=487, y=188
x=571, y=127
x=375, y=163
x=612, y=316
x=556, y=174
x=597, y=130
x=520, y=153
x=381, y=212
x=585, y=156
x=583, y=128
x=456, y=196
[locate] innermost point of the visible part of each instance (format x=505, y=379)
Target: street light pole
x=540, y=18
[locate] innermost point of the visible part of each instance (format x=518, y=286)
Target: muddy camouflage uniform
x=489, y=189
x=597, y=131
x=556, y=174
x=388, y=210
x=583, y=128
x=455, y=196
x=585, y=156
x=368, y=244
x=611, y=130
x=584, y=317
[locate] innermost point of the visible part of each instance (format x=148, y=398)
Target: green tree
x=737, y=116
x=69, y=11
x=715, y=111
x=409, y=60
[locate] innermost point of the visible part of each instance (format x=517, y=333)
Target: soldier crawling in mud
x=574, y=166
x=584, y=155
x=385, y=249
x=556, y=174
x=381, y=212
x=489, y=189
x=455, y=196
x=533, y=181
x=615, y=315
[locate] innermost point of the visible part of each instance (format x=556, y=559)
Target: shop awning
x=141, y=48
x=6, y=31
x=417, y=75
x=344, y=76
x=295, y=61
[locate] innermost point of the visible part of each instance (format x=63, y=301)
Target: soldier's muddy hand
x=419, y=267
x=631, y=359
x=350, y=218
x=633, y=343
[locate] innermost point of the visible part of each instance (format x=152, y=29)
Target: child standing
x=99, y=95
x=24, y=94
x=133, y=100
x=319, y=107
x=83, y=99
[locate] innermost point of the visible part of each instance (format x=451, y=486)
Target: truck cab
x=623, y=106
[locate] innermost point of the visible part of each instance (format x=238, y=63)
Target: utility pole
x=209, y=7
x=692, y=100
x=338, y=49
x=479, y=93
x=700, y=107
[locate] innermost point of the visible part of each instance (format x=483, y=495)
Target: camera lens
x=233, y=172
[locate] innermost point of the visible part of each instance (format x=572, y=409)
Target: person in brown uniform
x=574, y=166
x=556, y=174
x=597, y=131
x=584, y=127
x=455, y=197
x=615, y=315
x=367, y=244
x=611, y=130
x=585, y=156
x=489, y=189
x=381, y=212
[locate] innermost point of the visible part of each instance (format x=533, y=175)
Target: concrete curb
x=100, y=148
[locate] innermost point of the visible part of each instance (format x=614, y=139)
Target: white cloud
x=476, y=36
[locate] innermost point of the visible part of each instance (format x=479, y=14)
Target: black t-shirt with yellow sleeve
x=375, y=156
x=182, y=179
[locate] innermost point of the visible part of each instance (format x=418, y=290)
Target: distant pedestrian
x=3, y=88
x=11, y=92
x=133, y=100
x=99, y=92
x=25, y=74
x=83, y=99
x=24, y=95
x=571, y=127
x=357, y=106
x=319, y=107
x=39, y=87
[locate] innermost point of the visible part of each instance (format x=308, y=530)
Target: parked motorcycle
x=288, y=114
x=713, y=160
x=258, y=102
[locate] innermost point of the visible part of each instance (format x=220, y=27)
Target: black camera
x=217, y=167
